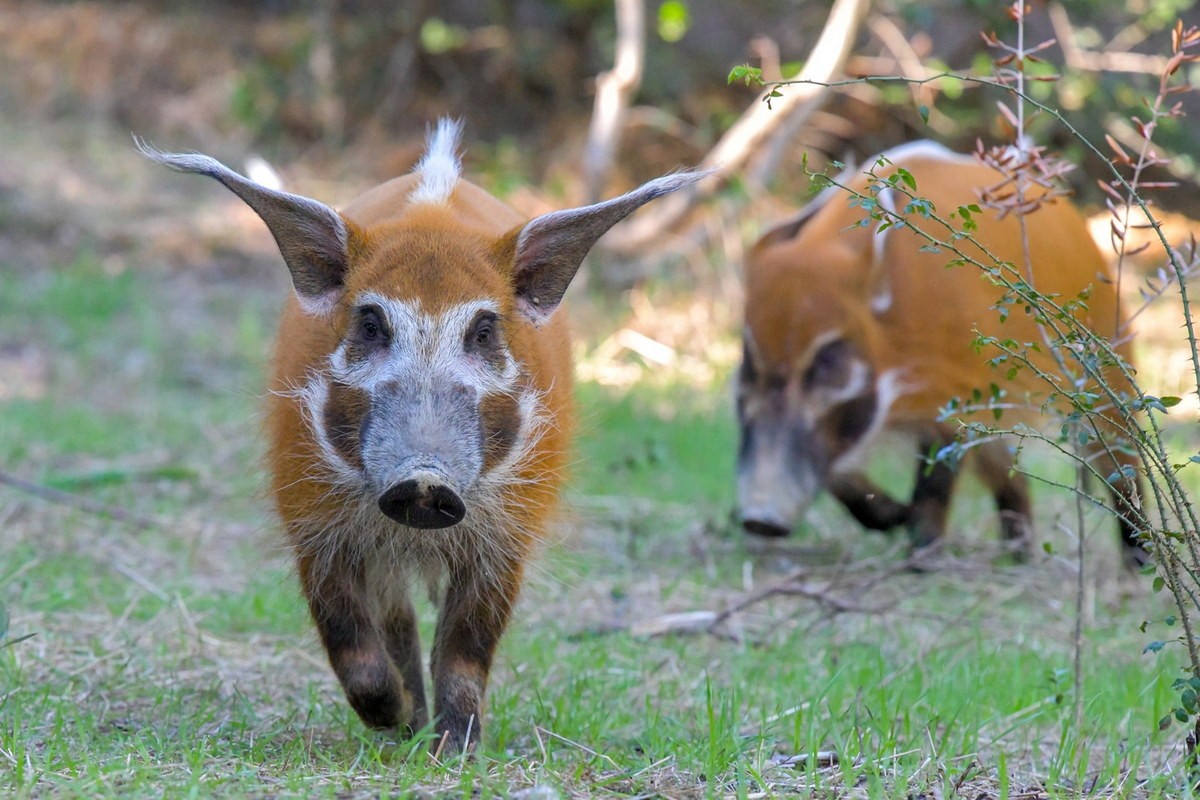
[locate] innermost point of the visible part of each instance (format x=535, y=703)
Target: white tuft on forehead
x=439, y=169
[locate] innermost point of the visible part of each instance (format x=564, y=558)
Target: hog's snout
x=423, y=501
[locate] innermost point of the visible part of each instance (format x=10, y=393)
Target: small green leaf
x=439, y=36
x=674, y=20
x=1158, y=583
x=924, y=112
x=1170, y=401
x=752, y=76
x=1154, y=646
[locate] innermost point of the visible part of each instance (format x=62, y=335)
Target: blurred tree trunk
x=614, y=91
x=797, y=103
x=322, y=63
x=399, y=83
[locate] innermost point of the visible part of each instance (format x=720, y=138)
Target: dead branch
x=614, y=90
x=322, y=65
x=60, y=497
x=909, y=62
x=755, y=127
x=1105, y=61
x=797, y=584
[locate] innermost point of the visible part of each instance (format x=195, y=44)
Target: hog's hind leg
x=931, y=493
x=995, y=466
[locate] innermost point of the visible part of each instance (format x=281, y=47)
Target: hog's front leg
x=870, y=505
x=357, y=652
x=404, y=645
x=478, y=602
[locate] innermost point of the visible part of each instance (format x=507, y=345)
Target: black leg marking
x=871, y=506
x=931, y=494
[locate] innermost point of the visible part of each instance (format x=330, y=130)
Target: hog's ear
x=550, y=248
x=312, y=237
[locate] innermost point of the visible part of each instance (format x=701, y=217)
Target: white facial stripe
x=313, y=396
x=859, y=377
x=824, y=397
x=535, y=419
x=888, y=388
x=424, y=345
x=820, y=340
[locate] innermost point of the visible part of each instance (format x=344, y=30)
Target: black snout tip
x=421, y=504
x=760, y=527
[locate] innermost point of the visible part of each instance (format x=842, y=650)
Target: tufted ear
x=312, y=237
x=550, y=248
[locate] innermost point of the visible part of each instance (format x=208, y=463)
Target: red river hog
x=851, y=330
x=419, y=417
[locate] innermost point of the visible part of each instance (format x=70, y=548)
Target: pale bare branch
x=614, y=90
x=1104, y=61
x=756, y=125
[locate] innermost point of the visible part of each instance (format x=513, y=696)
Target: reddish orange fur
x=820, y=280
x=419, y=416
x=469, y=244
x=814, y=279
x=472, y=233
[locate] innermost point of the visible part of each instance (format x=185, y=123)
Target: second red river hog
x=852, y=329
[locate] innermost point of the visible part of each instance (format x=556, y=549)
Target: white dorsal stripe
x=879, y=285
x=898, y=155
x=440, y=168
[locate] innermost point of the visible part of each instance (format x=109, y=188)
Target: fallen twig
x=86, y=504
x=796, y=584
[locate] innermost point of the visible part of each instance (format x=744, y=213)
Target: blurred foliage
x=248, y=75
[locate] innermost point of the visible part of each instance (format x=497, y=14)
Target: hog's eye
x=370, y=326
x=482, y=335
x=830, y=366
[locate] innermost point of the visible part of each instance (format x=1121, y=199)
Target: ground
x=656, y=651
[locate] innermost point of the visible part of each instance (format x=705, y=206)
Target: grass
x=176, y=659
